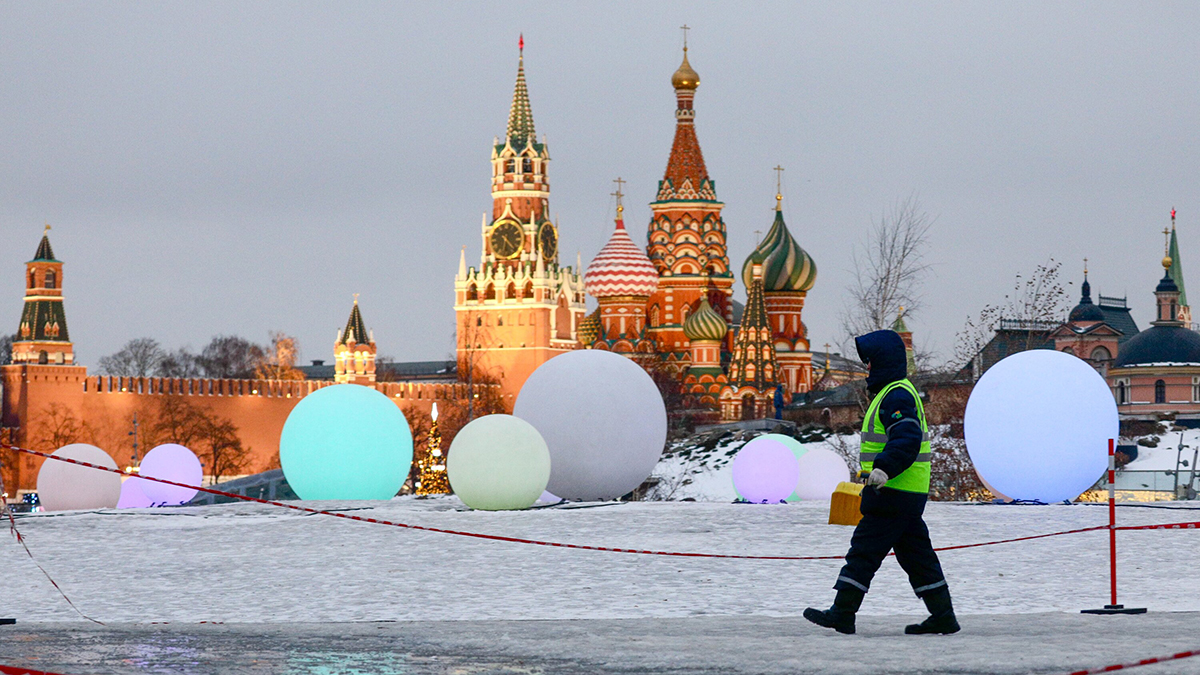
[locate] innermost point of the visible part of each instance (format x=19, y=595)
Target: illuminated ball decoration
x=1037, y=426
x=821, y=469
x=62, y=486
x=498, y=463
x=132, y=496
x=172, y=462
x=603, y=419
x=765, y=471
x=346, y=441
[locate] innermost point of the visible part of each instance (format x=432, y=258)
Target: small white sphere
x=63, y=486
x=497, y=463
x=821, y=469
x=603, y=419
x=1038, y=424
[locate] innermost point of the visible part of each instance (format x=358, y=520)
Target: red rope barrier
x=1135, y=664
x=1169, y=526
x=518, y=540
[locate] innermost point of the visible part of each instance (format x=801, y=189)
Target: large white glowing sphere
x=821, y=469
x=62, y=486
x=346, y=442
x=173, y=462
x=498, y=463
x=765, y=471
x=1038, y=424
x=603, y=420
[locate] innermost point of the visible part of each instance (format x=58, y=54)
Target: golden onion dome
x=705, y=323
x=685, y=77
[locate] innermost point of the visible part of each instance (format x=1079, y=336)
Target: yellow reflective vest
x=875, y=436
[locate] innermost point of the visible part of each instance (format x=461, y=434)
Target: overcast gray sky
x=242, y=167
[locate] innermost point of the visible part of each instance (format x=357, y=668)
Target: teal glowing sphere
x=346, y=442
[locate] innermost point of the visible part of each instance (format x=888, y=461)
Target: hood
x=883, y=351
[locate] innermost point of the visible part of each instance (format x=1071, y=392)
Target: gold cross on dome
x=685, y=28
x=618, y=194
x=757, y=237
x=1166, y=239
x=1085, y=267
x=356, y=298
x=778, y=178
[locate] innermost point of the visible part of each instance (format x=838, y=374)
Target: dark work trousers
x=875, y=537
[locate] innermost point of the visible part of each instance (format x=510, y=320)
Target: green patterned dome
x=705, y=324
x=786, y=266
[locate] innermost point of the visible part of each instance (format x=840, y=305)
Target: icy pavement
x=1031, y=643
x=256, y=563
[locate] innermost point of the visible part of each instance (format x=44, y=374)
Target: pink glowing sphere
x=765, y=471
x=172, y=462
x=132, y=496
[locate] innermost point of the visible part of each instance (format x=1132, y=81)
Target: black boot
x=941, y=620
x=840, y=617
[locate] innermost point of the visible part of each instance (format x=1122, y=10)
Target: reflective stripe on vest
x=875, y=436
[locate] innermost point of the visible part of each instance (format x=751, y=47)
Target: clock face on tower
x=506, y=239
x=548, y=241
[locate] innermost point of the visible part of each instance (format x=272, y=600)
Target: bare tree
x=230, y=356
x=214, y=439
x=888, y=269
x=180, y=363
x=139, y=357
x=279, y=362
x=1035, y=307
x=222, y=450
x=6, y=342
x=57, y=425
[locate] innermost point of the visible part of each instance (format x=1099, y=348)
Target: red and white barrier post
x=1113, y=607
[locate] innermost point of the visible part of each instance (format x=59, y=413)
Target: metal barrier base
x=1115, y=609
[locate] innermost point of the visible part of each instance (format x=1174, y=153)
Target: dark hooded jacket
x=883, y=351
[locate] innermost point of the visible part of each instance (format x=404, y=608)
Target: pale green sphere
x=498, y=463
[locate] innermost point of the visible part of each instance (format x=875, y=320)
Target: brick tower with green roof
x=354, y=351
x=42, y=335
x=753, y=370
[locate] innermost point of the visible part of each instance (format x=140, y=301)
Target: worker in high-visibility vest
x=895, y=452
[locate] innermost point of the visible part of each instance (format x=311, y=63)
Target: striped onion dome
x=705, y=324
x=621, y=268
x=589, y=328
x=786, y=266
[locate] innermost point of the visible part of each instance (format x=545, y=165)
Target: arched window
x=43, y=357
x=1101, y=354
x=1121, y=393
x=527, y=166
x=748, y=412
x=529, y=289
x=472, y=292
x=490, y=294
x=479, y=321
x=51, y=279
x=510, y=166
x=32, y=279
x=511, y=291
x=1160, y=392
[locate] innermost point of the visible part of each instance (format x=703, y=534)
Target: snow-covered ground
x=256, y=563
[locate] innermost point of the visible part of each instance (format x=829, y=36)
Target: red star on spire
x=521, y=43
x=1172, y=213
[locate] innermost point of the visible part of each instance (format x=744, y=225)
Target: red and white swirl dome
x=621, y=268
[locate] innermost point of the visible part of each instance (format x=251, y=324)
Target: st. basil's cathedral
x=668, y=305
